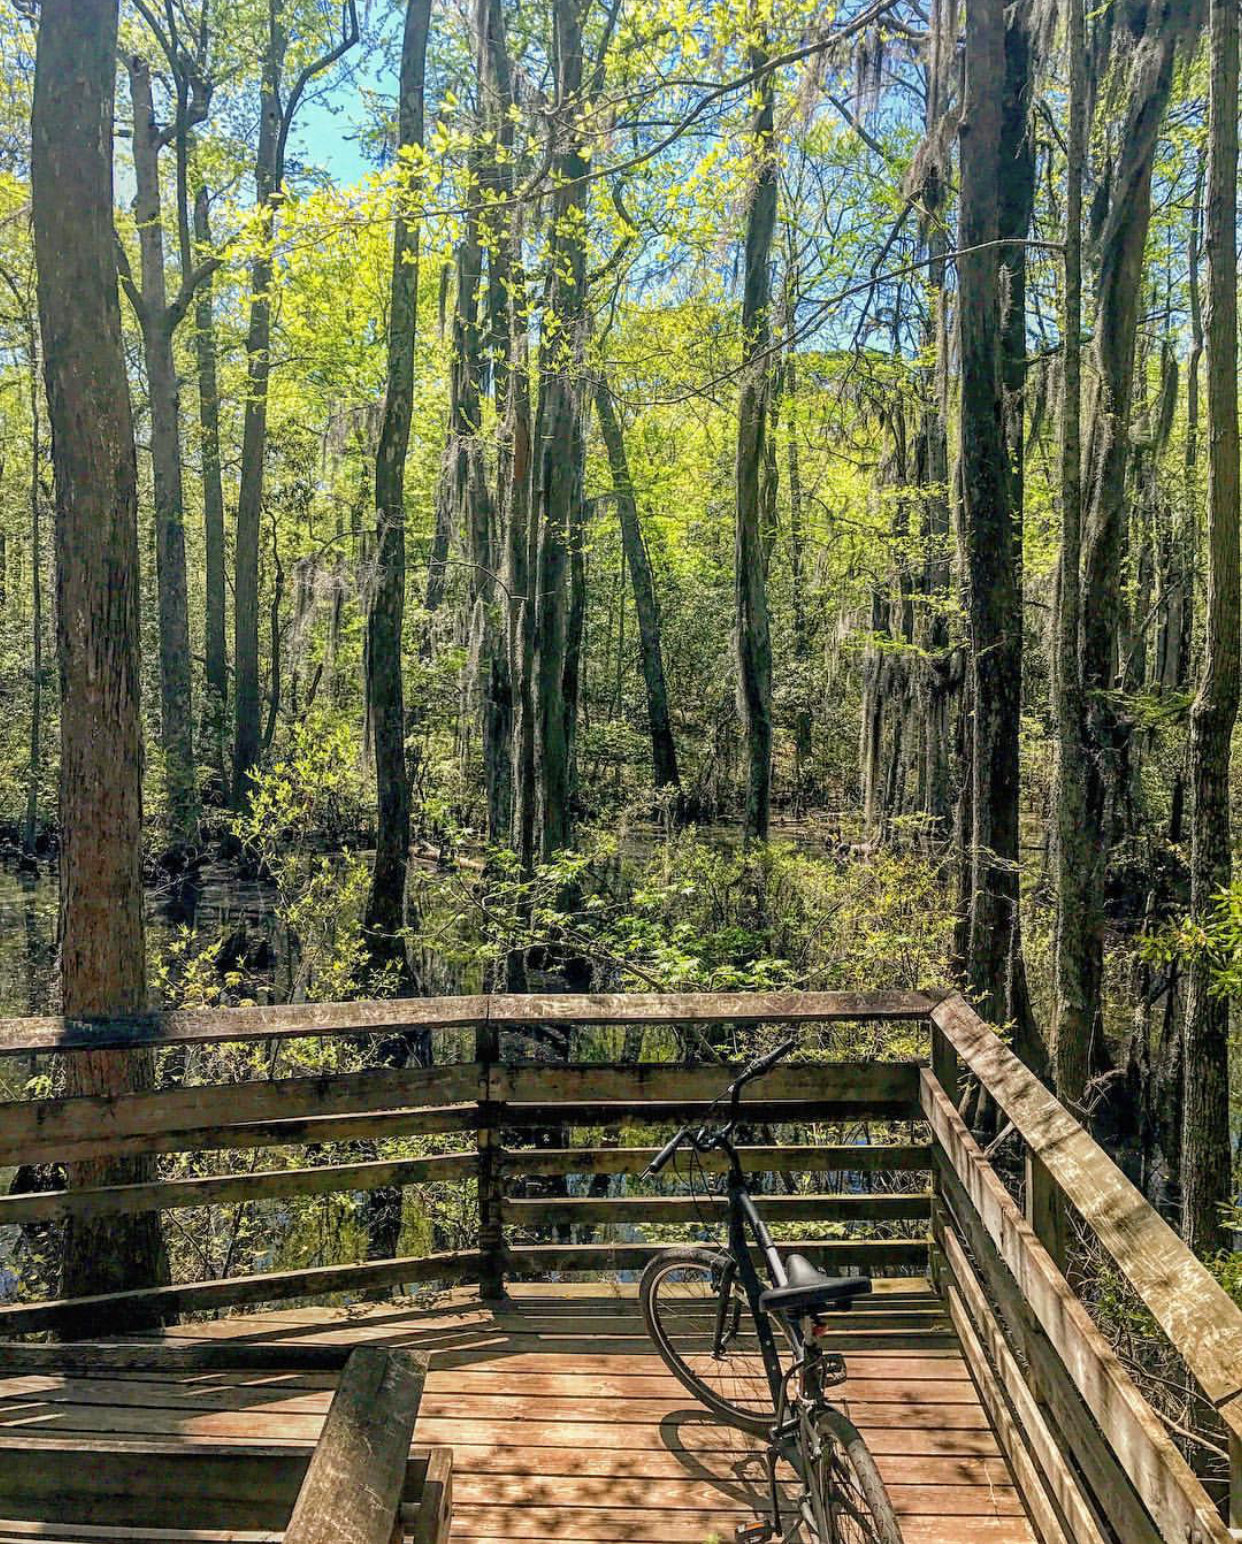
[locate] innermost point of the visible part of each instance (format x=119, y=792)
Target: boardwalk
x=565, y=1426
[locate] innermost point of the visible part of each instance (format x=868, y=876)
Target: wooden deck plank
x=565, y=1425
x=651, y=1526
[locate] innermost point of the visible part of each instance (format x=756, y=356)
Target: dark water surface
x=214, y=905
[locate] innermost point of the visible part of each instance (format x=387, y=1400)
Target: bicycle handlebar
x=666, y=1152
x=733, y=1093
x=766, y=1063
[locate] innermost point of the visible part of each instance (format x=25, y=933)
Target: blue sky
x=328, y=132
x=332, y=121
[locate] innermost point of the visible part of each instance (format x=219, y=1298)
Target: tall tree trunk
x=496, y=229
x=1071, y=1032
x=754, y=642
x=646, y=607
x=34, y=765
x=931, y=468
x=103, y=961
x=1206, y=1148
x=276, y=115
x=385, y=917
x=216, y=648
x=556, y=503
x=247, y=731
x=522, y=564
x=1156, y=28
x=990, y=538
x=1190, y=510
x=797, y=569
x=158, y=322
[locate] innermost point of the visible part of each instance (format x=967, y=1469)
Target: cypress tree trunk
x=556, y=504
x=990, y=538
x=496, y=227
x=1156, y=28
x=1206, y=1148
x=646, y=608
x=254, y=434
x=158, y=322
x=1072, y=1006
x=276, y=115
x=934, y=661
x=754, y=642
x=247, y=732
x=103, y=962
x=797, y=575
x=385, y=916
x=34, y=765
x=216, y=648
x=522, y=564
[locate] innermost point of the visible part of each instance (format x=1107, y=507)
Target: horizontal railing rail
x=202, y=1026
x=1185, y=1299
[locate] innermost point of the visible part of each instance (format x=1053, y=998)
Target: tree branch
x=126, y=275
x=349, y=36
x=191, y=283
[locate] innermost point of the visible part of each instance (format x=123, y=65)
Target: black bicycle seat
x=807, y=1289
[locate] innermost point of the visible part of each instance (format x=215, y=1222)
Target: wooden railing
x=1094, y=1461
x=501, y=1103
x=356, y=1487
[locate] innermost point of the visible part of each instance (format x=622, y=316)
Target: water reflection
x=214, y=904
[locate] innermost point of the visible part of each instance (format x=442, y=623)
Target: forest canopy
x=665, y=495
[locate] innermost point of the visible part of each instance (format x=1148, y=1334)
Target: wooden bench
x=359, y=1484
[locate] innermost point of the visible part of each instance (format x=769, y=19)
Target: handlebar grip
x=665, y=1153
x=766, y=1063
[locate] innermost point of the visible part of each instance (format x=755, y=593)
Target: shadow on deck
x=563, y=1422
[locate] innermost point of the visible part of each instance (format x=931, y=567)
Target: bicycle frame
x=743, y=1215
x=798, y=1392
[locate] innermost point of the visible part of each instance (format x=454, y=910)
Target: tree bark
x=385, y=917
x=988, y=526
x=276, y=115
x=753, y=640
x=556, y=503
x=496, y=230
x=642, y=581
x=1155, y=31
x=103, y=962
x=797, y=575
x=1206, y=1146
x=1071, y=1032
x=34, y=765
x=935, y=679
x=158, y=323
x=267, y=173
x=522, y=564
x=215, y=608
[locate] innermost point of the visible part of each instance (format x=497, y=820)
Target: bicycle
x=714, y=1323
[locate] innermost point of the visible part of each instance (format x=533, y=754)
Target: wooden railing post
x=354, y=1481
x=1235, y=1474
x=1045, y=1210
x=944, y=1063
x=491, y=1229
x=946, y=1070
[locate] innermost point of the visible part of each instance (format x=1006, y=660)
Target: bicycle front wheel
x=844, y=1499
x=697, y=1314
